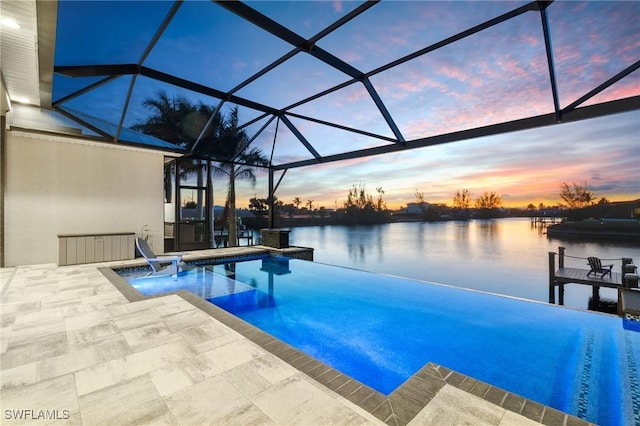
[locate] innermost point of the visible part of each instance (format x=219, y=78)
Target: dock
x=544, y=221
x=624, y=279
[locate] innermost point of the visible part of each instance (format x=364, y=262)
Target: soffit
x=19, y=51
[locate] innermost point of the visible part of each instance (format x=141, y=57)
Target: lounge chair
x=160, y=265
x=598, y=268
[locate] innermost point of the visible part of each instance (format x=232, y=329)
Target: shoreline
x=628, y=231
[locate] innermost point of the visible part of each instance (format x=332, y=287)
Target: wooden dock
x=562, y=276
x=544, y=221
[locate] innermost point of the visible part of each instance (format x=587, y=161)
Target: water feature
x=505, y=256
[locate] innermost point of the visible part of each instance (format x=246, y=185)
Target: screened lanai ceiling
x=320, y=81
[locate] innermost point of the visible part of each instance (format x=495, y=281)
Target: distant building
x=414, y=209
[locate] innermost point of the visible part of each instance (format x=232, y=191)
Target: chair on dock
x=598, y=268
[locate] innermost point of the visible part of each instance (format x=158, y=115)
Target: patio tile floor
x=75, y=350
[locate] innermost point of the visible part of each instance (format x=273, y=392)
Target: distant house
x=413, y=209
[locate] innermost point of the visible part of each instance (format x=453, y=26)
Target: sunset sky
x=497, y=75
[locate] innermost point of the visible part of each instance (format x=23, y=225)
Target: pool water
x=381, y=330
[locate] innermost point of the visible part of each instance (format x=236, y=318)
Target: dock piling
x=552, y=277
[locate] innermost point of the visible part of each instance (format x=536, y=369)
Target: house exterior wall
x=58, y=185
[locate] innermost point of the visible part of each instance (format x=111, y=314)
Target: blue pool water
x=381, y=329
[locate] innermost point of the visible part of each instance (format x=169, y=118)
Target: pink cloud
x=453, y=72
x=599, y=59
x=351, y=56
x=623, y=89
x=530, y=40
x=337, y=6
x=566, y=53
x=513, y=68
x=398, y=40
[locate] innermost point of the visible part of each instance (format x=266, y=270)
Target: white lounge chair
x=160, y=265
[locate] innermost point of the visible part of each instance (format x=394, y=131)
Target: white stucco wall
x=57, y=185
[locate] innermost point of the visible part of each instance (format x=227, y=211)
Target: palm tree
x=179, y=121
x=236, y=160
x=176, y=119
x=296, y=202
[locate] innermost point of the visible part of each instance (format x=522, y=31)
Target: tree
x=358, y=198
x=576, y=196
x=462, y=200
x=381, y=204
x=361, y=209
x=237, y=161
x=310, y=204
x=258, y=206
x=488, y=200
x=288, y=209
x=179, y=121
x=296, y=202
x=421, y=203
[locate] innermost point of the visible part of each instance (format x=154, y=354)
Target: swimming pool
x=381, y=330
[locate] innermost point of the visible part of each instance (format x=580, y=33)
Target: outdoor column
x=270, y=199
x=3, y=156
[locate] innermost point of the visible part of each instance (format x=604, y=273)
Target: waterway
x=504, y=256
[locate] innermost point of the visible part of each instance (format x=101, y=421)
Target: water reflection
x=503, y=256
x=488, y=229
x=364, y=241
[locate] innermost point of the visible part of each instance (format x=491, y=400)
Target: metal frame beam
x=285, y=34
x=300, y=137
x=631, y=68
x=592, y=111
x=300, y=44
x=341, y=127
x=383, y=110
x=550, y=63
x=86, y=89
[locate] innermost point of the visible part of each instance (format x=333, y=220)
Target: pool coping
x=400, y=407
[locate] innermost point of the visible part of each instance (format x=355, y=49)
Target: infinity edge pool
x=400, y=407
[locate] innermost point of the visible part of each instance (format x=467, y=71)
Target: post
x=270, y=200
x=630, y=280
x=560, y=294
x=560, y=257
x=552, y=275
x=627, y=266
x=595, y=294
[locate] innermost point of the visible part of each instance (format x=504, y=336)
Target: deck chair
x=160, y=265
x=598, y=268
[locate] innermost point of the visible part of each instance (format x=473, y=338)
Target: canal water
x=504, y=256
